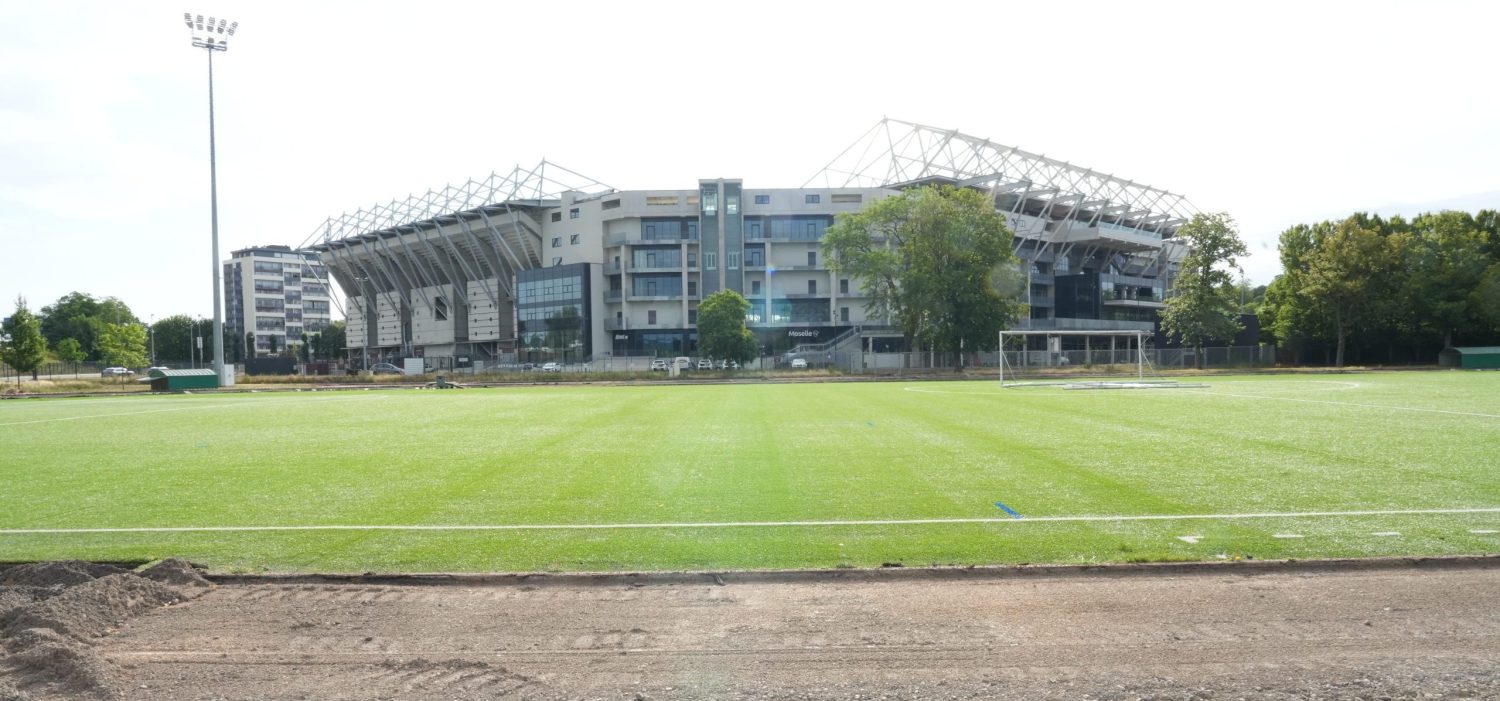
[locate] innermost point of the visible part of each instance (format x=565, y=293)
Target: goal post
x=1054, y=363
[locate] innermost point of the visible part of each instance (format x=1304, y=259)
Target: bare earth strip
x=1353, y=632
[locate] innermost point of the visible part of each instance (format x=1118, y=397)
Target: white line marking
x=1190, y=539
x=1482, y=531
x=756, y=524
x=1387, y=534
x=1287, y=535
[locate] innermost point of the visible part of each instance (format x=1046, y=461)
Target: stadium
x=544, y=264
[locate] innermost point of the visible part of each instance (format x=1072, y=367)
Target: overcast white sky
x=1277, y=112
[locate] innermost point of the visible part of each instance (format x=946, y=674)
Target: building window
x=610, y=204
x=692, y=288
x=710, y=200
x=692, y=316
x=755, y=231
x=812, y=287
x=573, y=213
x=660, y=201
x=732, y=260
x=557, y=216
x=848, y=199
x=557, y=261
x=755, y=287
x=763, y=199
x=844, y=314
x=651, y=317
x=619, y=317
x=440, y=308
x=710, y=260
x=557, y=242
x=573, y=240
x=843, y=287
x=812, y=199
x=812, y=258
x=731, y=204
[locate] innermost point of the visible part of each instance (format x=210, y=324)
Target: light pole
x=212, y=36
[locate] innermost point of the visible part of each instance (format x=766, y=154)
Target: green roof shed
x=179, y=380
x=1472, y=358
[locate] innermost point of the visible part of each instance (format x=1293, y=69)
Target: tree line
x=81, y=328
x=1372, y=290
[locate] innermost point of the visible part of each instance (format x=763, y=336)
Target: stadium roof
x=899, y=154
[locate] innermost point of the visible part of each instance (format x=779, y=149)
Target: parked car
x=799, y=363
x=385, y=369
x=729, y=364
x=659, y=364
x=684, y=363
x=112, y=372
x=157, y=367
x=552, y=367
x=705, y=364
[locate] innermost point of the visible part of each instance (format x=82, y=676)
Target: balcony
x=654, y=269
x=1140, y=303
x=612, y=325
x=1067, y=324
x=612, y=295
x=635, y=239
x=654, y=298
x=804, y=295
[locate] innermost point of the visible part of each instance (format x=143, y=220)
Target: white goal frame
x=1140, y=345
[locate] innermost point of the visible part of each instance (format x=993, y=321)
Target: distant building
x=545, y=264
x=275, y=292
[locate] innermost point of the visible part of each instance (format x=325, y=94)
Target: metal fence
x=56, y=370
x=1105, y=360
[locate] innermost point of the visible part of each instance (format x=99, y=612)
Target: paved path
x=1360, y=633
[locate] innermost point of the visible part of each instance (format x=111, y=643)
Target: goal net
x=1080, y=360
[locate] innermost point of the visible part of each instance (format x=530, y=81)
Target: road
x=1356, y=632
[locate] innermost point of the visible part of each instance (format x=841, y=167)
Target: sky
x=1275, y=112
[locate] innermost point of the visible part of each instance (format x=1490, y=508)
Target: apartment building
x=275, y=293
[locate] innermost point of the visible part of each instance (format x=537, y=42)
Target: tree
x=78, y=315
x=1340, y=274
x=721, y=328
x=936, y=262
x=333, y=339
x=174, y=339
x=306, y=349
x=316, y=342
x=1204, y=305
x=23, y=347
x=123, y=345
x=249, y=344
x=273, y=338
x=1445, y=260
x=69, y=351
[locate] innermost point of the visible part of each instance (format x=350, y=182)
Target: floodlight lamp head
x=212, y=34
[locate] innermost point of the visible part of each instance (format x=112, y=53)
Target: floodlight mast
x=212, y=36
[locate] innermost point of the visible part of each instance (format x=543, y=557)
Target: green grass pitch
x=758, y=455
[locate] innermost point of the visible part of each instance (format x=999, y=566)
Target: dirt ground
x=1427, y=629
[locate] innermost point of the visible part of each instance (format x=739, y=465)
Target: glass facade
x=552, y=307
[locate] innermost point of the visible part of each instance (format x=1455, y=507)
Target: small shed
x=1472, y=358
x=179, y=380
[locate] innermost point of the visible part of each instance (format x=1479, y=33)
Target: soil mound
x=65, y=573
x=49, y=613
x=178, y=573
x=43, y=657
x=94, y=608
